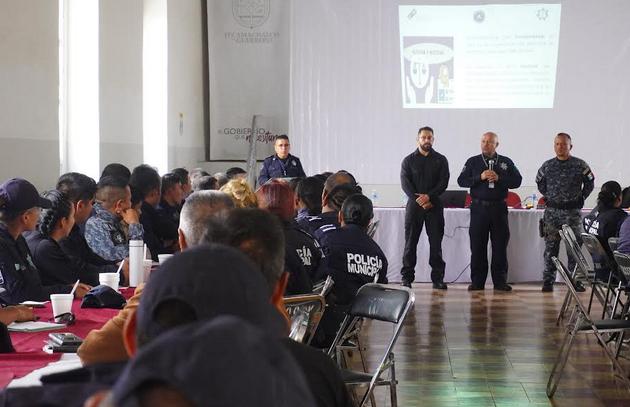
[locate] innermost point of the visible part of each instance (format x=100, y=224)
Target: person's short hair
x=340, y=193
x=77, y=187
x=610, y=192
x=111, y=190
x=136, y=196
x=309, y=191
x=357, y=210
x=564, y=135
x=182, y=173
x=48, y=218
x=278, y=198
x=200, y=283
x=222, y=179
x=197, y=172
x=625, y=200
x=234, y=171
x=338, y=178
x=255, y=232
x=425, y=128
x=281, y=137
x=169, y=180
x=205, y=183
x=116, y=170
x=241, y=193
x=198, y=208
x=145, y=179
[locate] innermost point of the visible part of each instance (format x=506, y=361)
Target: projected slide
x=475, y=57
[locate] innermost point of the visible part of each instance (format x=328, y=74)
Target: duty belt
x=483, y=202
x=565, y=205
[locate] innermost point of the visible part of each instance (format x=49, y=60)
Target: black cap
x=210, y=362
x=212, y=280
x=18, y=195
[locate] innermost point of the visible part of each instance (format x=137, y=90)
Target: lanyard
x=496, y=161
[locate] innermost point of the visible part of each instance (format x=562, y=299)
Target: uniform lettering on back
x=363, y=264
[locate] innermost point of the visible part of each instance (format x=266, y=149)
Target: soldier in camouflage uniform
x=103, y=231
x=565, y=181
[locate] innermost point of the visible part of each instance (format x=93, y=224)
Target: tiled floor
x=489, y=348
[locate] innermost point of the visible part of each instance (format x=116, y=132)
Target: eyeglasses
x=67, y=318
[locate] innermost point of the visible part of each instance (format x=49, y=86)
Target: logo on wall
x=251, y=13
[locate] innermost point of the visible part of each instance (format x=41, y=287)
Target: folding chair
x=323, y=287
x=581, y=272
x=305, y=311
x=613, y=243
x=623, y=267
x=582, y=323
x=382, y=303
x=602, y=262
x=372, y=228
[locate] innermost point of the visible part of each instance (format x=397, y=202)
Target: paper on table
x=35, y=304
x=33, y=326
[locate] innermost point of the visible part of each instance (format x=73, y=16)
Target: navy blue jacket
x=470, y=177
x=19, y=278
x=274, y=167
x=82, y=257
x=352, y=259
x=304, y=247
x=316, y=225
x=421, y=174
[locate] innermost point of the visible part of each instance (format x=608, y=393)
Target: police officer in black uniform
x=489, y=176
x=281, y=164
x=424, y=177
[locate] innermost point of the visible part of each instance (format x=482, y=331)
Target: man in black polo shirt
x=489, y=176
x=424, y=176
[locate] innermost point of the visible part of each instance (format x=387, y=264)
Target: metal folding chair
x=602, y=262
x=582, y=323
x=323, y=287
x=372, y=228
x=382, y=303
x=613, y=243
x=305, y=311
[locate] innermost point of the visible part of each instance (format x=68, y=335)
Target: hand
x=427, y=206
x=489, y=175
x=130, y=216
x=125, y=271
x=81, y=290
x=422, y=199
x=24, y=313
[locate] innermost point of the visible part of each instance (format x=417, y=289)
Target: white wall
x=121, y=82
x=29, y=81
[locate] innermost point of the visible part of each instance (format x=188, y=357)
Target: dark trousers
x=488, y=220
x=415, y=219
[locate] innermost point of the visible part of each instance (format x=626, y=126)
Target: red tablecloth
x=28, y=346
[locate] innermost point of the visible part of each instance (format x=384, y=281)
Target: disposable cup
x=61, y=304
x=163, y=257
x=109, y=279
x=148, y=263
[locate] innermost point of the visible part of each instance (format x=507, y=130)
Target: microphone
x=491, y=168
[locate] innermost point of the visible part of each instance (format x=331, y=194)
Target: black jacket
x=304, y=247
x=82, y=257
x=54, y=266
x=424, y=175
x=19, y=278
x=470, y=177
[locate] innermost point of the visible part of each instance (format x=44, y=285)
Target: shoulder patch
x=1, y=277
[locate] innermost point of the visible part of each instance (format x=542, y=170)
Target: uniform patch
x=1, y=277
x=117, y=237
x=503, y=166
x=294, y=163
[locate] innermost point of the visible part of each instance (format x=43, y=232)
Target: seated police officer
x=19, y=279
x=147, y=181
x=309, y=197
x=352, y=259
x=104, y=231
x=168, y=211
x=281, y=164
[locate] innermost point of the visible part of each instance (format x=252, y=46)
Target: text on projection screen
x=486, y=56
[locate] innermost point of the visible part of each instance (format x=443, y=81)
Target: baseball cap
x=210, y=280
x=18, y=195
x=221, y=362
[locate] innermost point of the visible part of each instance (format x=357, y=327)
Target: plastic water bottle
x=534, y=201
x=374, y=197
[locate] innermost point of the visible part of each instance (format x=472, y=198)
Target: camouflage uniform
x=106, y=236
x=565, y=185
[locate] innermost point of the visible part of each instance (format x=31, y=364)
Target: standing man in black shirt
x=424, y=177
x=489, y=176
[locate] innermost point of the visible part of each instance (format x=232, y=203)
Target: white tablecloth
x=525, y=249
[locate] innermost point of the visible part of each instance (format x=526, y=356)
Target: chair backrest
x=376, y=301
x=562, y=270
x=542, y=202
x=323, y=287
x=623, y=264
x=513, y=200
x=597, y=251
x=613, y=243
x=573, y=250
x=305, y=312
x=372, y=228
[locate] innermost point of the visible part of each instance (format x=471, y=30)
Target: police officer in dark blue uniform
x=489, y=176
x=352, y=259
x=281, y=164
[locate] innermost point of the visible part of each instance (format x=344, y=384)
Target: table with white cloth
x=525, y=249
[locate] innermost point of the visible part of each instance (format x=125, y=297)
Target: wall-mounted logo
x=251, y=13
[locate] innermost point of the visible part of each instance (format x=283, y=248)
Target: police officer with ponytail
x=352, y=258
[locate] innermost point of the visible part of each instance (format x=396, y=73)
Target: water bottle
x=374, y=197
x=534, y=201
x=136, y=262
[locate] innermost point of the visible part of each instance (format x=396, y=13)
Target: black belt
x=484, y=202
x=565, y=205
